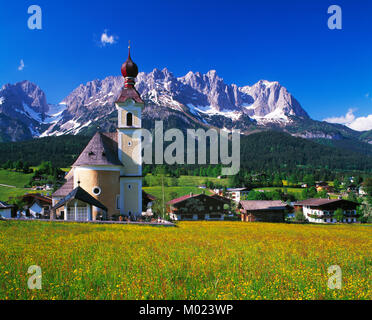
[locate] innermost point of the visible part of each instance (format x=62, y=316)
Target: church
x=106, y=179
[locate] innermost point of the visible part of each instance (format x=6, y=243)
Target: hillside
x=274, y=150
x=61, y=151
x=268, y=150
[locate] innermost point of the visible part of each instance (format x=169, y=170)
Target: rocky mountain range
x=193, y=100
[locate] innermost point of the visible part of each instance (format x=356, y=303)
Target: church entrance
x=81, y=214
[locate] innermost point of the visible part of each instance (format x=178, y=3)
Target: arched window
x=129, y=119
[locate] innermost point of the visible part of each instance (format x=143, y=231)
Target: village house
x=37, y=206
x=362, y=191
x=147, y=202
x=235, y=194
x=6, y=210
x=110, y=168
x=197, y=207
x=263, y=210
x=322, y=210
x=322, y=185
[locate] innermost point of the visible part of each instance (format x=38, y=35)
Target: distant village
x=221, y=204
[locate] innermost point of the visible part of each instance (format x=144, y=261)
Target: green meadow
x=195, y=260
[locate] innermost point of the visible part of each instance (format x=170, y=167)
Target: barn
x=197, y=207
x=263, y=210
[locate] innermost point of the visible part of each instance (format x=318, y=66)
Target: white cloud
x=106, y=39
x=21, y=65
x=362, y=123
x=347, y=119
x=358, y=124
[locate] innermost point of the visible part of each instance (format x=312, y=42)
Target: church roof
x=102, y=149
x=129, y=93
x=80, y=194
x=65, y=189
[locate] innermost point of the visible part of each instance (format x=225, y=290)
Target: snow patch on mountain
x=210, y=111
x=31, y=113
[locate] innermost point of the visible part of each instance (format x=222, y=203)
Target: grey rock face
x=23, y=105
x=203, y=97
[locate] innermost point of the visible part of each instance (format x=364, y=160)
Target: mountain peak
x=204, y=96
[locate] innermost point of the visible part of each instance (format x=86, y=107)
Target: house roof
x=315, y=202
x=263, y=205
x=80, y=194
x=180, y=199
x=36, y=196
x=188, y=196
x=65, y=189
x=321, y=184
x=236, y=189
x=218, y=197
x=102, y=149
x=148, y=196
x=4, y=205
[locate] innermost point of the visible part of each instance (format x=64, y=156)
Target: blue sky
x=328, y=71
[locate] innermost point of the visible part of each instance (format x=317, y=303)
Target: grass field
x=196, y=260
x=16, y=179
x=186, y=184
x=288, y=189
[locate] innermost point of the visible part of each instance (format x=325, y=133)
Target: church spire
x=129, y=70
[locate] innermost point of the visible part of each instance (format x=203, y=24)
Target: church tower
x=129, y=106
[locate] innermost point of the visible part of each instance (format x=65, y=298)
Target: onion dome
x=129, y=70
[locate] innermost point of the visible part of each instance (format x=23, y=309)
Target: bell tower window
x=129, y=119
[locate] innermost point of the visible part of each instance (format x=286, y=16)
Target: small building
x=263, y=210
x=77, y=206
x=362, y=191
x=322, y=210
x=322, y=185
x=37, y=205
x=196, y=207
x=6, y=210
x=235, y=194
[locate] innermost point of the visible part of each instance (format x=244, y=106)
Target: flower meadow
x=195, y=260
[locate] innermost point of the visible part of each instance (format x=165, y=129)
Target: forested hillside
x=61, y=151
x=264, y=151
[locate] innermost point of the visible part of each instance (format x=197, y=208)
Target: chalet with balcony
x=197, y=207
x=322, y=210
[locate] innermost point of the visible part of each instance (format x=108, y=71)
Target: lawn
x=196, y=260
x=288, y=189
x=13, y=178
x=17, y=179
